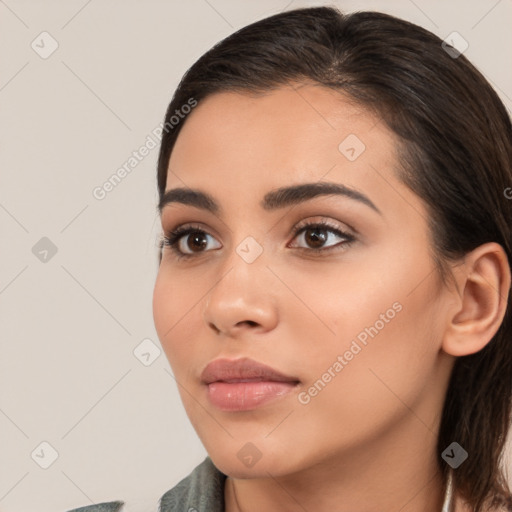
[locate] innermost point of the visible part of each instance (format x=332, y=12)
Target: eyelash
x=172, y=238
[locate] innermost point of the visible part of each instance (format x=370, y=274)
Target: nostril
x=214, y=327
x=252, y=323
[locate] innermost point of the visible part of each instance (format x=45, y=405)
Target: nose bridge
x=243, y=271
x=245, y=256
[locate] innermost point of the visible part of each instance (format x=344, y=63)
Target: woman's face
x=356, y=319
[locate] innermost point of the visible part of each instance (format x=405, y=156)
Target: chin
x=245, y=462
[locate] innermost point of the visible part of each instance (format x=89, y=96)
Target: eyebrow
x=273, y=200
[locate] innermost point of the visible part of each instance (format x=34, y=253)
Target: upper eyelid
x=310, y=219
x=327, y=223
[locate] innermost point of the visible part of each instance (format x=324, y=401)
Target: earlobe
x=485, y=285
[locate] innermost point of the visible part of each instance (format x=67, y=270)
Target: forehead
x=291, y=130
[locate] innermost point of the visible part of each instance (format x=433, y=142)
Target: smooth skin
x=367, y=441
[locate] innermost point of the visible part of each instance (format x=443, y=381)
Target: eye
x=317, y=234
x=190, y=241
x=186, y=241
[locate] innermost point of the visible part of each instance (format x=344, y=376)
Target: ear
x=480, y=302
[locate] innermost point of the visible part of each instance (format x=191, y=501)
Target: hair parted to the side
x=455, y=153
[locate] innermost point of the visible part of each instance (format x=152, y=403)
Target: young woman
x=335, y=196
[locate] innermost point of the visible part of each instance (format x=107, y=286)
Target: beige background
x=70, y=323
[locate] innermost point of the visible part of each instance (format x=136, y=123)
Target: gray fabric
x=201, y=491
x=111, y=506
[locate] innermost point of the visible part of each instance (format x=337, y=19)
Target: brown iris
x=198, y=241
x=318, y=237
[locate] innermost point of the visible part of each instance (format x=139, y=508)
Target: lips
x=244, y=384
x=242, y=370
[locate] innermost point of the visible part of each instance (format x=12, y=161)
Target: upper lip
x=244, y=369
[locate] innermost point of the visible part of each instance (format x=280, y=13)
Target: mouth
x=244, y=384
x=246, y=395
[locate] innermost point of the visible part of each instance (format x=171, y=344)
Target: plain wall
x=70, y=320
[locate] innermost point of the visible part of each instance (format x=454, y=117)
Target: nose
x=243, y=299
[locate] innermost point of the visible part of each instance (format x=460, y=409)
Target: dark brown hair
x=454, y=153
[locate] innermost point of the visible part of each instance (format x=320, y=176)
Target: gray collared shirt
x=201, y=491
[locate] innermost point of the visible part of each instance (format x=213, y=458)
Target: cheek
x=386, y=335
x=174, y=304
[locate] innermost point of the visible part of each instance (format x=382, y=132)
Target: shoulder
x=201, y=491
x=111, y=506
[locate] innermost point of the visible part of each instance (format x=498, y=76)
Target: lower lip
x=243, y=396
